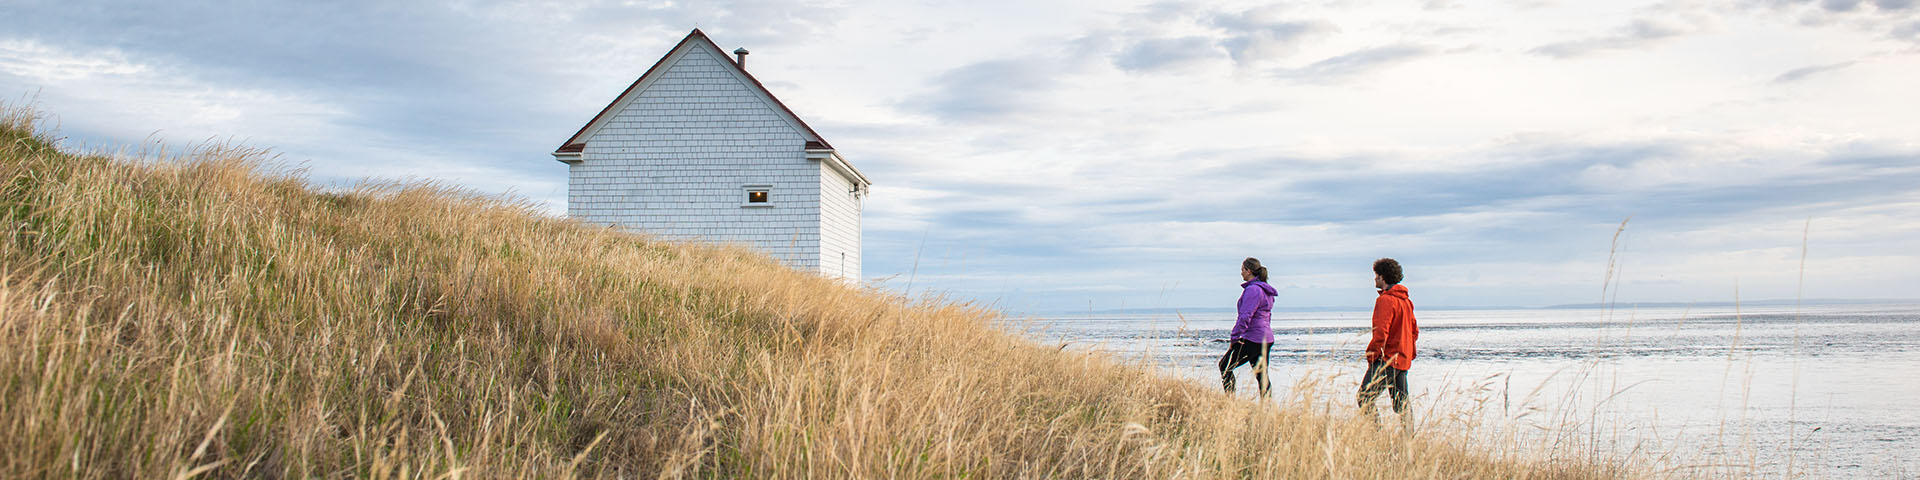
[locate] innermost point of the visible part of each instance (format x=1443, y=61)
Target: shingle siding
x=839, y=225
x=673, y=162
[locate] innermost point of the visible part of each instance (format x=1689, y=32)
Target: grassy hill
x=205, y=315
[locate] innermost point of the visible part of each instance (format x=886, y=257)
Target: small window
x=758, y=195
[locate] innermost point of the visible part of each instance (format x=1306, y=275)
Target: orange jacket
x=1394, y=329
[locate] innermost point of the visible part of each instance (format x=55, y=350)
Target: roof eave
x=832, y=157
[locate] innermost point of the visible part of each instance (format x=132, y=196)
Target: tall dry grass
x=203, y=315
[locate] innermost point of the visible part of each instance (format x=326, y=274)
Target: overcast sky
x=1043, y=155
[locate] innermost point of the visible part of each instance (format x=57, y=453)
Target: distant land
x=1570, y=306
x=1748, y=303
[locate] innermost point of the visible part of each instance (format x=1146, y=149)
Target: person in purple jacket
x=1252, y=336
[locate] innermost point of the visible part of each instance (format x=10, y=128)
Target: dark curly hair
x=1389, y=270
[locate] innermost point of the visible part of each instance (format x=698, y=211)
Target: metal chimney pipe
x=740, y=55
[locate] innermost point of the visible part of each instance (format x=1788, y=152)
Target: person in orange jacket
x=1391, y=352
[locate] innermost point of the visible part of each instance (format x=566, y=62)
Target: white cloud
x=108, y=92
x=41, y=63
x=1348, y=65
x=117, y=99
x=1802, y=73
x=1060, y=153
x=1653, y=27
x=1261, y=35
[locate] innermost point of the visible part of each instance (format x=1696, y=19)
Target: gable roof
x=695, y=39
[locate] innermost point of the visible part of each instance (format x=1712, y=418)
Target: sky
x=1050, y=156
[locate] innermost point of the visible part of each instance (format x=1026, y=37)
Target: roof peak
x=577, y=142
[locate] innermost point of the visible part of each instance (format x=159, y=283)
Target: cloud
x=1693, y=178
x=1836, y=6
x=1896, y=19
x=462, y=91
x=1166, y=36
x=1643, y=32
x=42, y=63
x=1520, y=202
x=1541, y=202
x=1353, y=64
x=746, y=21
x=988, y=90
x=1032, y=169
x=105, y=79
x=454, y=61
x=107, y=99
x=1865, y=7
x=1802, y=73
x=1263, y=35
x=1165, y=53
x=1840, y=5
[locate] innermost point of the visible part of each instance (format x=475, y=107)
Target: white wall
x=839, y=225
x=672, y=163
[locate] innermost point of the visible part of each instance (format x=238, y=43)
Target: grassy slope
x=205, y=315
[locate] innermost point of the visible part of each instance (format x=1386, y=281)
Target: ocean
x=1820, y=391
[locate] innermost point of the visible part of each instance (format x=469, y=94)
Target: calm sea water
x=1832, y=391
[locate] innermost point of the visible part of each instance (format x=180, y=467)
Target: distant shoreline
x=1571, y=306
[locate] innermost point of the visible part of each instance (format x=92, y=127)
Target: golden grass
x=207, y=316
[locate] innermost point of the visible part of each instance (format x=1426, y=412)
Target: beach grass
x=208, y=314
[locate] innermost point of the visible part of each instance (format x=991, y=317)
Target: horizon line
x=1568, y=306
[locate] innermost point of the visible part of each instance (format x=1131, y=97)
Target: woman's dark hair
x=1253, y=265
x=1389, y=270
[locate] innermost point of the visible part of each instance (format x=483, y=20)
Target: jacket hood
x=1397, y=291
x=1263, y=286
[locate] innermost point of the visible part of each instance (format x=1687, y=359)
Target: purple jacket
x=1256, y=313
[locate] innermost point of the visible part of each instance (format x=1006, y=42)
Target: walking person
x=1391, y=352
x=1251, y=341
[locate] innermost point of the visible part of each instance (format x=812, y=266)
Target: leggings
x=1242, y=352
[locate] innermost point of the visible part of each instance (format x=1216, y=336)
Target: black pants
x=1382, y=375
x=1242, y=352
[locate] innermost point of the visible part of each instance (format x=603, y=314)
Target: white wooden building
x=698, y=149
